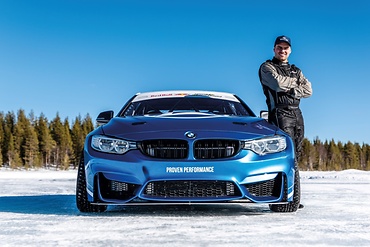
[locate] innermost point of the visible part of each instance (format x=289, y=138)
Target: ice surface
x=37, y=208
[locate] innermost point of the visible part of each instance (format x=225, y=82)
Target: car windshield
x=185, y=104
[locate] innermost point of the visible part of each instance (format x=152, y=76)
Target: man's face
x=282, y=51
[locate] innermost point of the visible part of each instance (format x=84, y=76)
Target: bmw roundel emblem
x=190, y=134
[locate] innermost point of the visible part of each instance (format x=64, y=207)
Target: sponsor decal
x=168, y=94
x=190, y=169
x=184, y=94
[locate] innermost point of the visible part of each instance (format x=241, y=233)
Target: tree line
x=331, y=155
x=35, y=142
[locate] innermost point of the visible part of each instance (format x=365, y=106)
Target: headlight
x=266, y=145
x=111, y=145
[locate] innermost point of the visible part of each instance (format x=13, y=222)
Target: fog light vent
x=149, y=190
x=118, y=186
x=230, y=189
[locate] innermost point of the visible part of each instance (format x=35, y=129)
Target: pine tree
x=87, y=125
x=359, y=160
x=350, y=155
x=320, y=155
x=67, y=147
x=2, y=123
x=62, y=137
x=9, y=122
x=46, y=142
x=334, y=156
x=306, y=162
x=31, y=148
x=367, y=156
x=11, y=155
x=77, y=135
x=342, y=160
x=19, y=134
x=57, y=132
x=14, y=158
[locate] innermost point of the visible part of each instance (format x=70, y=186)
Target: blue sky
x=75, y=57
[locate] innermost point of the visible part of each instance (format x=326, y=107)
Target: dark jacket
x=283, y=84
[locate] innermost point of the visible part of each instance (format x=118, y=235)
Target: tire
x=293, y=205
x=81, y=193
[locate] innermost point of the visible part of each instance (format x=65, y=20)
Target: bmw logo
x=190, y=134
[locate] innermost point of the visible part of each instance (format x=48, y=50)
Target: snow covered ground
x=37, y=208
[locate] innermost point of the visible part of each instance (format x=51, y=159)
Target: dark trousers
x=290, y=120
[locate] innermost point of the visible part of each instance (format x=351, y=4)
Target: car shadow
x=39, y=204
x=66, y=205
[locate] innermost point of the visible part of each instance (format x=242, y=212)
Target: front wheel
x=293, y=205
x=81, y=194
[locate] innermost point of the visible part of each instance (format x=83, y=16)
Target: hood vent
x=240, y=123
x=138, y=123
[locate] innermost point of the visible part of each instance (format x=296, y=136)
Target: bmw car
x=186, y=147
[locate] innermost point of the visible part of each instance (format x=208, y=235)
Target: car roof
x=183, y=93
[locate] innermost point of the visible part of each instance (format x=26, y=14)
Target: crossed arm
x=297, y=88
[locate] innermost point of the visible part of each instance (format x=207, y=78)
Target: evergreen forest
x=30, y=142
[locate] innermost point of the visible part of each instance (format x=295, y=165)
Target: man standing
x=284, y=85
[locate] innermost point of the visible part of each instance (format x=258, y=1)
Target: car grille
x=191, y=189
x=267, y=188
x=215, y=149
x=179, y=149
x=165, y=149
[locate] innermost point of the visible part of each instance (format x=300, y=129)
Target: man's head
x=282, y=48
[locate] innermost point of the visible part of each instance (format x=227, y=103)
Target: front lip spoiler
x=246, y=201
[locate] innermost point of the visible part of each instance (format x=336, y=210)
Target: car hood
x=175, y=126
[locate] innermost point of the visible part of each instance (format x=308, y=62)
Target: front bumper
x=139, y=179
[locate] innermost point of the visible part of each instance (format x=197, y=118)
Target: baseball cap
x=281, y=39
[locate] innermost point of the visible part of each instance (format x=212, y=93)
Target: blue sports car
x=186, y=147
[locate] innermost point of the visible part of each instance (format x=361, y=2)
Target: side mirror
x=264, y=115
x=104, y=117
